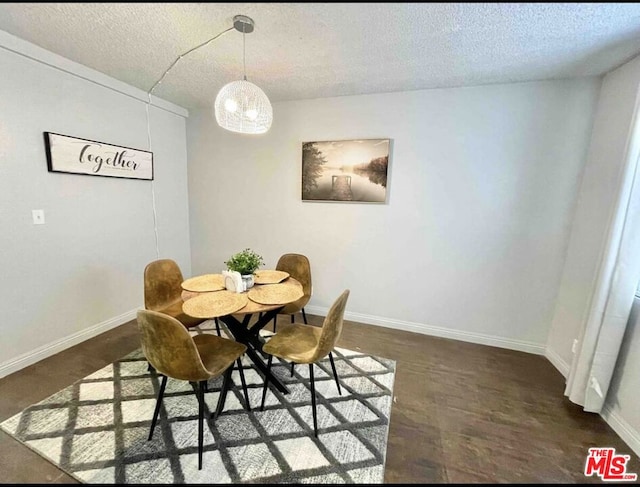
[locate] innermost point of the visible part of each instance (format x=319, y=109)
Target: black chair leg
x=293, y=364
x=217, y=326
x=200, y=393
x=244, y=385
x=275, y=322
x=304, y=317
x=313, y=401
x=158, y=403
x=196, y=387
x=335, y=374
x=223, y=391
x=293, y=319
x=266, y=382
x=150, y=367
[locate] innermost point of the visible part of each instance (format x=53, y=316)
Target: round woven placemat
x=270, y=276
x=205, y=283
x=216, y=304
x=253, y=307
x=283, y=293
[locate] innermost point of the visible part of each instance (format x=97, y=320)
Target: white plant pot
x=247, y=281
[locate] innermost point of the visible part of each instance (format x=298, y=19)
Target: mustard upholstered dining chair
x=174, y=353
x=303, y=344
x=163, y=292
x=298, y=267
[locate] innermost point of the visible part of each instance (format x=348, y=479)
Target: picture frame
x=353, y=170
x=74, y=155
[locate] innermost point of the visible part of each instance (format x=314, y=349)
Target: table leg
x=252, y=339
x=254, y=331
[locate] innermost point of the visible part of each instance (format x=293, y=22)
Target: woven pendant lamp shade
x=240, y=106
x=244, y=108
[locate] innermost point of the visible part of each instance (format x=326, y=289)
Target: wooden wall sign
x=81, y=156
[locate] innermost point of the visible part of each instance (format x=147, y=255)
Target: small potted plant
x=246, y=263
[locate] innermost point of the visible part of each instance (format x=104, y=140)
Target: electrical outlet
x=38, y=217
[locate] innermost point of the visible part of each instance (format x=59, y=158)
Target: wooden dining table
x=205, y=297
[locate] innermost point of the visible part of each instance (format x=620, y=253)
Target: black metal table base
x=254, y=342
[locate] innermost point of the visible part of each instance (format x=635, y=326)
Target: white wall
x=595, y=204
x=472, y=240
x=81, y=272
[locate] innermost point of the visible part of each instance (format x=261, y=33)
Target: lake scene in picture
x=345, y=170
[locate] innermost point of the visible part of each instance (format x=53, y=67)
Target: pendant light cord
x=186, y=53
x=244, y=54
x=153, y=194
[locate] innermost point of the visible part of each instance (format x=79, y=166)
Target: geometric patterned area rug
x=96, y=429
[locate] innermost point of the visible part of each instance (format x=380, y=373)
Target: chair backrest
x=162, y=280
x=298, y=267
x=331, y=327
x=167, y=345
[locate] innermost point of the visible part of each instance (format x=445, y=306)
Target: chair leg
x=304, y=317
x=217, y=326
x=275, y=322
x=293, y=364
x=335, y=374
x=244, y=385
x=313, y=401
x=293, y=319
x=200, y=392
x=266, y=382
x=150, y=367
x=223, y=391
x=202, y=384
x=158, y=403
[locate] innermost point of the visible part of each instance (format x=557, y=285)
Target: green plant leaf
x=245, y=262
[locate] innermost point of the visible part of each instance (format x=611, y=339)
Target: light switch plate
x=38, y=217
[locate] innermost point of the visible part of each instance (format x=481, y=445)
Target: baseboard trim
x=624, y=430
x=50, y=349
x=479, y=338
x=562, y=366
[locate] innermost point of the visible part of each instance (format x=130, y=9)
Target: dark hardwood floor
x=462, y=413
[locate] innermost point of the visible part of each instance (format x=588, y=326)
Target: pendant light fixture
x=240, y=105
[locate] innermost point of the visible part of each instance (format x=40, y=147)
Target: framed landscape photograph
x=345, y=170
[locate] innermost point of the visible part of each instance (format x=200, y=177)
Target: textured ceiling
x=313, y=50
